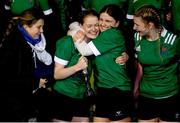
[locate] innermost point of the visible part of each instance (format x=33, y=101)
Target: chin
x=36, y=37
x=92, y=36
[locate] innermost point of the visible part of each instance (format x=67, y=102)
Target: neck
x=153, y=35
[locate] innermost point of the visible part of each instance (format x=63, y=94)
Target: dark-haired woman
x=111, y=79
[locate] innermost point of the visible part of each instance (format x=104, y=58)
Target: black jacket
x=16, y=62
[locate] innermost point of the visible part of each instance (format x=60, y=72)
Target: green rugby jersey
x=18, y=6
x=135, y=4
x=99, y=4
x=67, y=55
x=107, y=47
x=159, y=78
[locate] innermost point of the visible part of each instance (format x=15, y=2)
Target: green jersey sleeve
x=106, y=41
x=64, y=50
x=45, y=7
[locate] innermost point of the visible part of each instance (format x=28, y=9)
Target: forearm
x=138, y=76
x=62, y=73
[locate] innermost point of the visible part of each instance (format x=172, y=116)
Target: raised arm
x=79, y=39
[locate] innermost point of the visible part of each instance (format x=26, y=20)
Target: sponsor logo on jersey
x=118, y=113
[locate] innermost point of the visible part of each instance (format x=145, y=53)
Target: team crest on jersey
x=163, y=50
x=138, y=48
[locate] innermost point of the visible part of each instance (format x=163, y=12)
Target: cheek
x=35, y=33
x=91, y=35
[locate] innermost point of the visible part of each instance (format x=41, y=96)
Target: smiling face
x=147, y=21
x=91, y=26
x=140, y=26
x=35, y=29
x=106, y=22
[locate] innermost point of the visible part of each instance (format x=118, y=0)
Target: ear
x=25, y=26
x=150, y=25
x=117, y=24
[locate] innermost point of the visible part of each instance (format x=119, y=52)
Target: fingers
x=42, y=83
x=125, y=56
x=120, y=60
x=83, y=62
x=81, y=36
x=84, y=59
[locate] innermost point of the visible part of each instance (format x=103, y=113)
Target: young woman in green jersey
x=156, y=51
x=69, y=88
x=111, y=79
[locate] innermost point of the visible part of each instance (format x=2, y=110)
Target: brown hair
x=86, y=13
x=149, y=14
x=28, y=17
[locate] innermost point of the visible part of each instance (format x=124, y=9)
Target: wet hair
x=86, y=13
x=28, y=17
x=149, y=13
x=114, y=11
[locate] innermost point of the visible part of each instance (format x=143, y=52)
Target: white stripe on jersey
x=60, y=61
x=130, y=17
x=137, y=36
x=166, y=38
x=170, y=39
x=173, y=40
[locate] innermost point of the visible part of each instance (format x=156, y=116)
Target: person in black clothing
x=22, y=47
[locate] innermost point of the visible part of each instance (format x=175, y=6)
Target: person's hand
x=79, y=36
x=42, y=83
x=122, y=59
x=82, y=63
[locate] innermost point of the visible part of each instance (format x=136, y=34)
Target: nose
x=94, y=28
x=134, y=27
x=103, y=24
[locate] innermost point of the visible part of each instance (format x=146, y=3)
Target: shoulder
x=12, y=36
x=168, y=37
x=111, y=33
x=112, y=30
x=65, y=40
x=65, y=43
